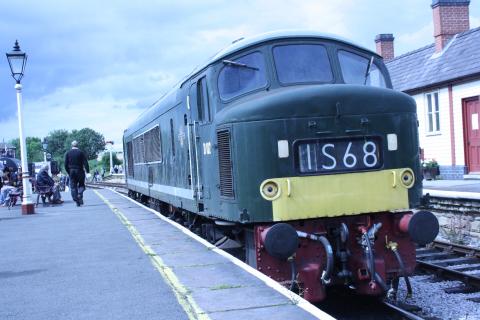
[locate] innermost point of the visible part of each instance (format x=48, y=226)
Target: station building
x=7, y=150
x=444, y=79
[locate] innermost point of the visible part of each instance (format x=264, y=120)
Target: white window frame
x=433, y=113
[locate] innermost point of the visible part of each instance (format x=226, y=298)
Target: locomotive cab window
x=354, y=70
x=242, y=75
x=300, y=63
x=198, y=95
x=202, y=100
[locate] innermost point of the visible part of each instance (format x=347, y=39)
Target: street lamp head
x=45, y=144
x=17, y=61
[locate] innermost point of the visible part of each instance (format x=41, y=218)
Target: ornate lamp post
x=17, y=60
x=45, y=147
x=46, y=155
x=111, y=158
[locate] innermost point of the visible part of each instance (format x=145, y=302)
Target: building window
x=432, y=113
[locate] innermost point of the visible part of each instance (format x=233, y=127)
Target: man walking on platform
x=76, y=164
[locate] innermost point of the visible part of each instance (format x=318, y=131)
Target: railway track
x=118, y=186
x=446, y=262
x=446, y=204
x=451, y=262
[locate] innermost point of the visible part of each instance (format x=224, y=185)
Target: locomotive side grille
x=138, y=150
x=130, y=158
x=153, y=151
x=225, y=164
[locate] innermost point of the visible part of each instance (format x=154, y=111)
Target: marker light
x=408, y=178
x=270, y=190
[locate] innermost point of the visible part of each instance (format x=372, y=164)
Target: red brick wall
x=448, y=21
x=385, y=49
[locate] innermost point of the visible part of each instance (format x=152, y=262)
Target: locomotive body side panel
x=165, y=179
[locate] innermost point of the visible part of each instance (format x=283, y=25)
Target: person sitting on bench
x=44, y=181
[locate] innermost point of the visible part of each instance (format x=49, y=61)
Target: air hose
x=394, y=246
x=367, y=245
x=328, y=251
x=293, y=268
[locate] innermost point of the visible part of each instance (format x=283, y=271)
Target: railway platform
x=461, y=189
x=115, y=259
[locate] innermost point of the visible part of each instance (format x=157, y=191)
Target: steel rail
x=450, y=274
x=120, y=187
x=107, y=184
x=445, y=271
x=469, y=251
x=402, y=312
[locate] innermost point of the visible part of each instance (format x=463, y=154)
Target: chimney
x=384, y=44
x=449, y=18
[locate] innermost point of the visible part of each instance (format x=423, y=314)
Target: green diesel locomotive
x=292, y=150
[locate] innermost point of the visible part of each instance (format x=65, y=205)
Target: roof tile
x=420, y=68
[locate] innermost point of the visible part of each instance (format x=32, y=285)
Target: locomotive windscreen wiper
x=238, y=64
x=367, y=72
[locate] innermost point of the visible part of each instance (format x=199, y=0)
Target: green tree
x=57, y=142
x=34, y=149
x=58, y=145
x=105, y=162
x=90, y=141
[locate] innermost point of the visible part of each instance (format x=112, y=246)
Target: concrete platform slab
x=225, y=298
x=290, y=312
x=215, y=275
x=201, y=257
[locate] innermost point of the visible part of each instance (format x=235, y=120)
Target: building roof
x=424, y=68
x=436, y=3
x=4, y=145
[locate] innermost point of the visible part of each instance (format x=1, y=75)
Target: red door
x=472, y=134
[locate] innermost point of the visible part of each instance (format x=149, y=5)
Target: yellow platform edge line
x=184, y=298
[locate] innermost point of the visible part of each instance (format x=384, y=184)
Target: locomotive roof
x=244, y=43
x=170, y=97
x=280, y=34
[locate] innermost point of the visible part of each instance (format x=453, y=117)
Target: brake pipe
x=367, y=248
x=393, y=246
x=293, y=268
x=326, y=274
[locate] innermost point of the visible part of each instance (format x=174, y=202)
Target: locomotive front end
x=327, y=175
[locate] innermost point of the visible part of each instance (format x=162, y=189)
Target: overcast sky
x=99, y=64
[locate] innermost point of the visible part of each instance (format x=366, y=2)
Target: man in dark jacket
x=76, y=164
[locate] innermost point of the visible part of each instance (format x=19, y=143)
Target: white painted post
x=27, y=203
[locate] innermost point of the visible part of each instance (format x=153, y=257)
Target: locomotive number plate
x=352, y=154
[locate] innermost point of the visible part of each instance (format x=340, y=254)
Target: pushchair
x=13, y=197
